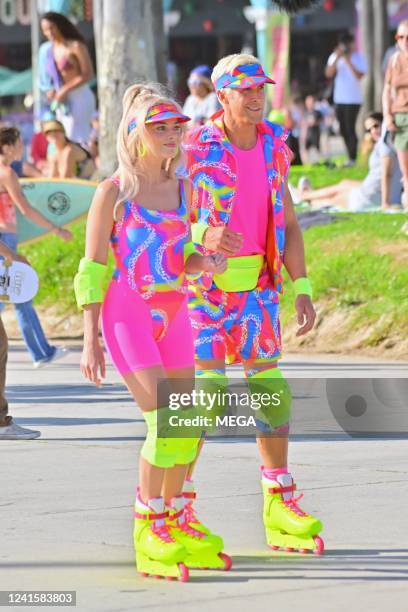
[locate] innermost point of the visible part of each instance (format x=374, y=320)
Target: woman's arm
x=86, y=70
x=68, y=162
x=15, y=192
x=98, y=231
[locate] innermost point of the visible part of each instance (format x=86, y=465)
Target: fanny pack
x=241, y=275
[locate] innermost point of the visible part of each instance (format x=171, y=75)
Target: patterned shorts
x=235, y=327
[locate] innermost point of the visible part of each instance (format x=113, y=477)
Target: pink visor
x=243, y=77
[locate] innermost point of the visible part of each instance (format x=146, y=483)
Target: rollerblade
x=158, y=553
x=204, y=548
x=287, y=527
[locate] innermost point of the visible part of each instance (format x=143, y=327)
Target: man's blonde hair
x=227, y=64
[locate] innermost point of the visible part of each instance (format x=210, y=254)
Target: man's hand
x=389, y=123
x=215, y=263
x=306, y=314
x=222, y=240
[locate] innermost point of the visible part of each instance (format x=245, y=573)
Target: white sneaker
x=60, y=351
x=15, y=432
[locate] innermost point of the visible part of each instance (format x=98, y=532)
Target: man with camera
x=347, y=67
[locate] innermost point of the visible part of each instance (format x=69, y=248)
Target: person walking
x=347, y=67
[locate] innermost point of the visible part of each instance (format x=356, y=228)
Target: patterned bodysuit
x=144, y=315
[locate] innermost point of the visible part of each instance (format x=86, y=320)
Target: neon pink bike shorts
x=141, y=333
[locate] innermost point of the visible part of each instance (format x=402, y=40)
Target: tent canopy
x=14, y=83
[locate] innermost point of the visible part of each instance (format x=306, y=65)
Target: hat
x=163, y=111
x=243, y=77
x=53, y=126
x=202, y=71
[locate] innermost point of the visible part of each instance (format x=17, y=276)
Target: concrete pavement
x=66, y=502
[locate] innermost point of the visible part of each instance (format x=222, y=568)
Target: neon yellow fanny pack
x=242, y=273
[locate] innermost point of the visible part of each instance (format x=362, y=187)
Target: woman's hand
x=216, y=263
x=60, y=95
x=64, y=234
x=93, y=362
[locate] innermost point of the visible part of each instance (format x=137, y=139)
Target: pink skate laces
x=162, y=532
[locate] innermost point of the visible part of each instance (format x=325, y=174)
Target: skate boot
x=190, y=512
x=287, y=527
x=204, y=549
x=158, y=553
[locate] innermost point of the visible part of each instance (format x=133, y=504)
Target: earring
x=141, y=149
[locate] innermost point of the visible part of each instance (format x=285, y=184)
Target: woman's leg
x=332, y=191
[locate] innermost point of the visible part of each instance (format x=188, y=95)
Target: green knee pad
x=164, y=446
x=213, y=384
x=274, y=410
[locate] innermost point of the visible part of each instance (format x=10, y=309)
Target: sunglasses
x=372, y=127
x=401, y=37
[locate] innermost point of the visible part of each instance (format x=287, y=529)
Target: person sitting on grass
x=68, y=159
x=381, y=187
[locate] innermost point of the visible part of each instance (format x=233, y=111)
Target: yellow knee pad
x=164, y=446
x=273, y=391
x=212, y=384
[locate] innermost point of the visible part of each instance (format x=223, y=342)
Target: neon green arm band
x=302, y=286
x=189, y=249
x=197, y=232
x=88, y=282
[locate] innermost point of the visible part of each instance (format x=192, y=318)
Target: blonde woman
x=143, y=212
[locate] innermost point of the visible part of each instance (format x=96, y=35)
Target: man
x=241, y=207
x=9, y=430
x=347, y=67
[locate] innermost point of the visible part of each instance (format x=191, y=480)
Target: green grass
x=358, y=264
x=320, y=176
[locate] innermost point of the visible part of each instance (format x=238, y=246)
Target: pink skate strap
x=177, y=515
x=288, y=489
x=189, y=494
x=151, y=516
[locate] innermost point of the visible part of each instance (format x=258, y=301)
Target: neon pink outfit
x=144, y=314
x=249, y=215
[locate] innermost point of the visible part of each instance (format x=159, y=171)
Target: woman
x=395, y=102
x=202, y=101
x=11, y=195
x=143, y=211
x=68, y=159
x=380, y=188
x=69, y=65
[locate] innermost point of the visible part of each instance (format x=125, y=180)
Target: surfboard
x=62, y=201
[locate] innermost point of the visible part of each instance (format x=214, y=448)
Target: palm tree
x=130, y=47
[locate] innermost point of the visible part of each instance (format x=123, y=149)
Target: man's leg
x=286, y=525
x=5, y=419
x=351, y=113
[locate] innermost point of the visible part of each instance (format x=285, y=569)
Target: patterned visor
x=161, y=112
x=243, y=77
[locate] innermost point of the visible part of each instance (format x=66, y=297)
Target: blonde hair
x=227, y=64
x=131, y=146
x=403, y=24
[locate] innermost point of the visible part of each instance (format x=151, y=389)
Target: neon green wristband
x=88, y=282
x=197, y=232
x=302, y=286
x=189, y=249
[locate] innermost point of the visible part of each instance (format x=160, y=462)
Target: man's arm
x=386, y=172
x=357, y=73
x=294, y=262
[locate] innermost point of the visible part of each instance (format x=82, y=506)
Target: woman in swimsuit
x=143, y=212
x=69, y=159
x=11, y=195
x=70, y=60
